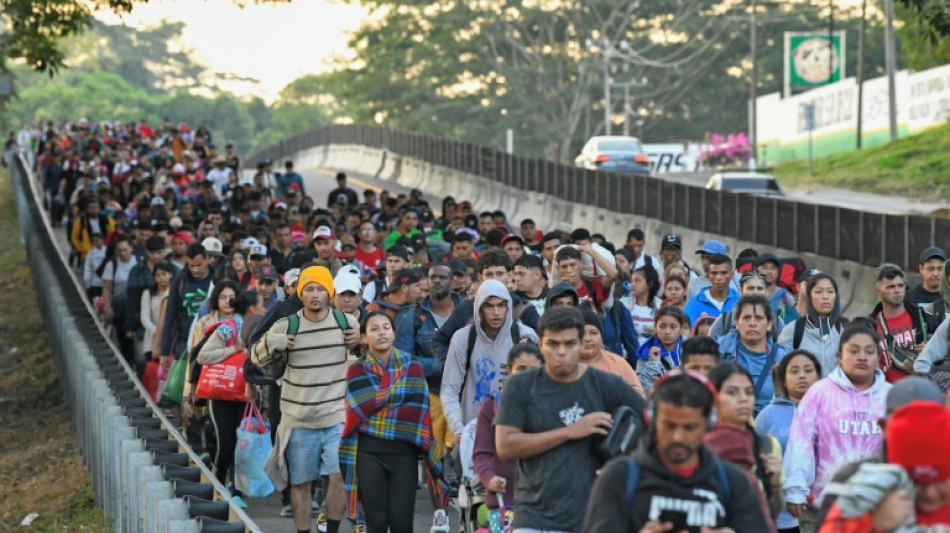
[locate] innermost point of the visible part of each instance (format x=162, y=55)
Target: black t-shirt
x=552, y=488
x=919, y=297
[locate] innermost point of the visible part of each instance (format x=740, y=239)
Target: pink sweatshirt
x=835, y=424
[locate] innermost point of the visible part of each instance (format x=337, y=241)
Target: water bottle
x=496, y=517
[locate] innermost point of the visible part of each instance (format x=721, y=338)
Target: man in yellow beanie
x=312, y=393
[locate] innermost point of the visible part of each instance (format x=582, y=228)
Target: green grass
x=917, y=166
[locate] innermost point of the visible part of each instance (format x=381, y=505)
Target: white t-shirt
x=643, y=320
x=119, y=277
x=219, y=178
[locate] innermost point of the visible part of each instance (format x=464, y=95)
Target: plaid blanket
x=387, y=403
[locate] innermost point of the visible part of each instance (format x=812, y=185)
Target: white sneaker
x=287, y=511
x=440, y=522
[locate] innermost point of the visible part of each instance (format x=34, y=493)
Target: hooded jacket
x=822, y=335
x=560, y=289
x=835, y=424
x=650, y=370
x=731, y=352
x=702, y=304
x=464, y=392
x=937, y=349
x=659, y=489
x=463, y=315
x=776, y=420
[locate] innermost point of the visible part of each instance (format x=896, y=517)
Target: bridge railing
x=145, y=476
x=841, y=233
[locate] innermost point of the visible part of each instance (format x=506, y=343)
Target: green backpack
x=275, y=370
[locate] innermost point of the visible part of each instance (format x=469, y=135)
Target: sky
x=274, y=42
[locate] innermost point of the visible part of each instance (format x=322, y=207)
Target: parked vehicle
x=747, y=182
x=615, y=154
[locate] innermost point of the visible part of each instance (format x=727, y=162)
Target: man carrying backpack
x=313, y=347
x=673, y=482
x=475, y=366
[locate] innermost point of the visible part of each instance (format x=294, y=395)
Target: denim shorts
x=312, y=453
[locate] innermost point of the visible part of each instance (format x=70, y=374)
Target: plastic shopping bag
x=250, y=454
x=175, y=384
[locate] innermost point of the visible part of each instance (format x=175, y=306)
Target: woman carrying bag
x=217, y=338
x=387, y=427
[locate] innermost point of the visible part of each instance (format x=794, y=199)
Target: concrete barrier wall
x=856, y=281
x=104, y=397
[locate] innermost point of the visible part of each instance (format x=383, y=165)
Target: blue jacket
x=783, y=306
x=702, y=304
x=731, y=353
x=776, y=419
x=620, y=337
x=417, y=341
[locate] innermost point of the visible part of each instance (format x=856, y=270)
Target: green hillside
x=916, y=166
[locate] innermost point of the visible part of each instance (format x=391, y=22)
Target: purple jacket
x=835, y=424
x=487, y=463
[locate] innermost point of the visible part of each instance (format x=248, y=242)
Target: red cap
x=916, y=436
x=183, y=235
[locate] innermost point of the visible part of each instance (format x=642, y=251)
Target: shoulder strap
x=633, y=479
x=472, y=335
x=722, y=480
x=799, y=332
x=416, y=319
x=340, y=317
x=293, y=324
x=515, y=333
x=766, y=370
x=519, y=310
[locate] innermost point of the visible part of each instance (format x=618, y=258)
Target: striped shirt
x=314, y=382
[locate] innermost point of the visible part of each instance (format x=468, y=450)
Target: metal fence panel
x=894, y=235
x=873, y=232
x=849, y=229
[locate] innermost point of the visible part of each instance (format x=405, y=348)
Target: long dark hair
x=653, y=282
x=778, y=374
x=164, y=266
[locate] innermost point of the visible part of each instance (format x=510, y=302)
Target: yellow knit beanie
x=315, y=274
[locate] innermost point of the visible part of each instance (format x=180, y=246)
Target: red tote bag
x=223, y=381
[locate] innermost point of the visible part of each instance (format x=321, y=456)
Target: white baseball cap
x=347, y=282
x=213, y=246
x=249, y=242
x=258, y=249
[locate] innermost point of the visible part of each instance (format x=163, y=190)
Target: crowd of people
x=383, y=337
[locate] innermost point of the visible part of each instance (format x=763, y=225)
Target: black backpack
x=472, y=337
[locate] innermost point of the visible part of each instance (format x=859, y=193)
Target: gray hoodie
x=822, y=335
x=936, y=349
x=488, y=367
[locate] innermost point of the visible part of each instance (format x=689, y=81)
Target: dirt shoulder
x=41, y=470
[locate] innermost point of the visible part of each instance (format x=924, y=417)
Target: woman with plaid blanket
x=387, y=427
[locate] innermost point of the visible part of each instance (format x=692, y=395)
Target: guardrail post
x=883, y=238
x=838, y=232
x=906, y=240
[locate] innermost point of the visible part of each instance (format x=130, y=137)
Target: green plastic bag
x=175, y=384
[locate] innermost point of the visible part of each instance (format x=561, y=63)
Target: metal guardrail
x=145, y=476
x=836, y=232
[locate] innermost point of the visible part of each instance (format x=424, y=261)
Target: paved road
x=266, y=512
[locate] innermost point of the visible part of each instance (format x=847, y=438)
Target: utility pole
x=753, y=85
x=626, y=110
x=890, y=65
x=607, y=104
x=831, y=41
x=864, y=7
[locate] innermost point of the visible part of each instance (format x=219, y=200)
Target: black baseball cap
x=404, y=276
x=671, y=240
x=458, y=267
x=398, y=250
x=266, y=271
x=932, y=252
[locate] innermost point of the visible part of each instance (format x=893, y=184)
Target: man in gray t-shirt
x=548, y=420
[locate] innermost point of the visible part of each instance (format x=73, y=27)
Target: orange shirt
x=618, y=366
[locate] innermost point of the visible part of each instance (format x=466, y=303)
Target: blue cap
x=712, y=247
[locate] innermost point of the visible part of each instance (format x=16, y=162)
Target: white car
x=747, y=182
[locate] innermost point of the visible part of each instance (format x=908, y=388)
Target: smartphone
x=677, y=518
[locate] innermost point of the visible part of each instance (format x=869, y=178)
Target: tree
x=933, y=17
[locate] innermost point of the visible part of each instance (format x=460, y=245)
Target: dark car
x=614, y=154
